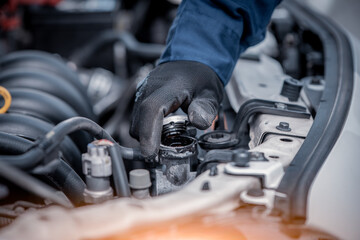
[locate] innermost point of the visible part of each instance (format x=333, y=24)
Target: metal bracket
x=255, y=106
x=223, y=139
x=270, y=173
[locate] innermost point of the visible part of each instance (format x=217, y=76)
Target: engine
x=68, y=91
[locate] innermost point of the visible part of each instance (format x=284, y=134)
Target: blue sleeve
x=216, y=32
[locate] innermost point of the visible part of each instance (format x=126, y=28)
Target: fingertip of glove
x=149, y=148
x=201, y=119
x=202, y=113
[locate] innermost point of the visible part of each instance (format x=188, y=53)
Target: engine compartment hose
x=130, y=153
x=68, y=181
x=45, y=61
x=12, y=145
x=28, y=160
x=145, y=50
x=40, y=105
x=121, y=182
x=32, y=185
x=38, y=79
x=61, y=130
x=46, y=107
x=7, y=99
x=54, y=138
x=33, y=128
x=80, y=123
x=62, y=176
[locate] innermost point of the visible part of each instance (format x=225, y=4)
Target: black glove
x=190, y=85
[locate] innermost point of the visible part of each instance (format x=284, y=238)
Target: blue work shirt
x=216, y=32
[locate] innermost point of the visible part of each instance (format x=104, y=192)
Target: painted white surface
x=344, y=12
x=334, y=198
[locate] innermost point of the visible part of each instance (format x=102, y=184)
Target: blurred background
x=344, y=12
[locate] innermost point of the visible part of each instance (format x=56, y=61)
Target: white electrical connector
x=96, y=164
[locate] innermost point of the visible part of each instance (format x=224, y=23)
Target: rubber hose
x=145, y=50
x=63, y=176
x=121, y=182
x=32, y=128
x=40, y=105
x=57, y=134
x=46, y=107
x=79, y=123
x=25, y=161
x=49, y=83
x=125, y=99
x=42, y=60
x=67, y=181
x=32, y=184
x=13, y=145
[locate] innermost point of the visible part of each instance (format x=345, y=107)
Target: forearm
x=216, y=32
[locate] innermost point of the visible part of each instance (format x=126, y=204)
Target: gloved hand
x=190, y=85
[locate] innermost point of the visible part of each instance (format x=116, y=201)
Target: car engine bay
x=69, y=168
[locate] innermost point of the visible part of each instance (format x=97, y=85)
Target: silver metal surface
x=175, y=166
x=176, y=119
x=265, y=124
x=276, y=149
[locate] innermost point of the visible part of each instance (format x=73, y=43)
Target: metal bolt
x=205, y=186
x=213, y=171
x=241, y=158
x=283, y=126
